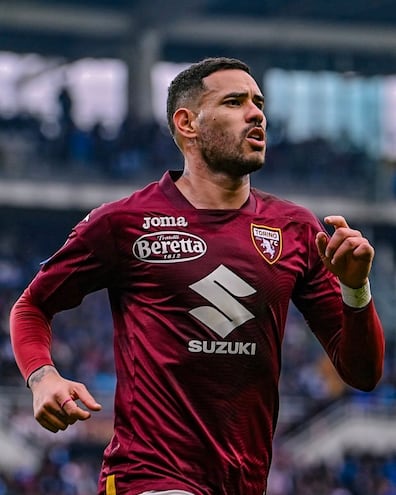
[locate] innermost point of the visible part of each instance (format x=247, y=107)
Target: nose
x=256, y=115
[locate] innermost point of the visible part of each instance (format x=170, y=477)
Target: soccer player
x=200, y=269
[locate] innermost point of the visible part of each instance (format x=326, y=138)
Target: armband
x=356, y=298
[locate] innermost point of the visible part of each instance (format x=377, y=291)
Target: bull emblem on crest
x=267, y=241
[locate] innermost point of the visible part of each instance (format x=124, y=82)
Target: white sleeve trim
x=356, y=298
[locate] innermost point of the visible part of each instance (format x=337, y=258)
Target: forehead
x=230, y=81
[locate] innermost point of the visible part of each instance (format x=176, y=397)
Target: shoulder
x=138, y=200
x=108, y=220
x=280, y=207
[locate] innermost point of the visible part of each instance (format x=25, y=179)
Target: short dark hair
x=188, y=84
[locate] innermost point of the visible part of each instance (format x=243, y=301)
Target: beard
x=223, y=154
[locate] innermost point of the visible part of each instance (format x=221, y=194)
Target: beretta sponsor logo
x=168, y=247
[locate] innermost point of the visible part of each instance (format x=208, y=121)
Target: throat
x=205, y=194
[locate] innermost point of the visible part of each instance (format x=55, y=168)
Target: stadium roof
x=312, y=34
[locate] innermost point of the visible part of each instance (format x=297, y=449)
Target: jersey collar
x=168, y=187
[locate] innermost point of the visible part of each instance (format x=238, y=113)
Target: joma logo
x=164, y=222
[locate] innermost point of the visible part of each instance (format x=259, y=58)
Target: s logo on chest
x=221, y=288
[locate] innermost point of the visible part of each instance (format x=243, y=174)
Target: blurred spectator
x=72, y=470
x=138, y=150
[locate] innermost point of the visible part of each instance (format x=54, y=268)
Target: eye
x=233, y=102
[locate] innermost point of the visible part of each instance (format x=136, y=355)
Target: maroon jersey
x=199, y=300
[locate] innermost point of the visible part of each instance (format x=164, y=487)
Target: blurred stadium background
x=82, y=100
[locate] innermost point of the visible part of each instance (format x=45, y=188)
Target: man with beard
x=200, y=269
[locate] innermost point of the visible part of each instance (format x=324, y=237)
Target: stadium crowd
x=141, y=150
x=68, y=470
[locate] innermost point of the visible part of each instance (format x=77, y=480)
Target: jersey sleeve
x=30, y=336
x=353, y=338
x=85, y=263
x=357, y=349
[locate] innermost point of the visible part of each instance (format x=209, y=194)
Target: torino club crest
x=267, y=241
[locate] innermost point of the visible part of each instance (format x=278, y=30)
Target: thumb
x=321, y=243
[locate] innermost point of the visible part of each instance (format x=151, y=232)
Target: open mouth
x=256, y=136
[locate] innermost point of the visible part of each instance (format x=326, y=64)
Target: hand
x=346, y=253
x=54, y=399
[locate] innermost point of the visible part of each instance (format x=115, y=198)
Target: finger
x=359, y=248
x=74, y=412
x=342, y=236
x=336, y=221
x=65, y=401
x=52, y=421
x=48, y=425
x=55, y=414
x=86, y=398
x=321, y=243
x=364, y=251
x=347, y=247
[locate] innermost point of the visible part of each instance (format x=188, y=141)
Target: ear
x=185, y=122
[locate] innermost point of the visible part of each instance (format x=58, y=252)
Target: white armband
x=356, y=298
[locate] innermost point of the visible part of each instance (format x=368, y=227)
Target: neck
x=208, y=190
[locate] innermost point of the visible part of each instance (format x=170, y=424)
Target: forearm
x=30, y=333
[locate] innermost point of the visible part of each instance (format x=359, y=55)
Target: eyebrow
x=256, y=98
